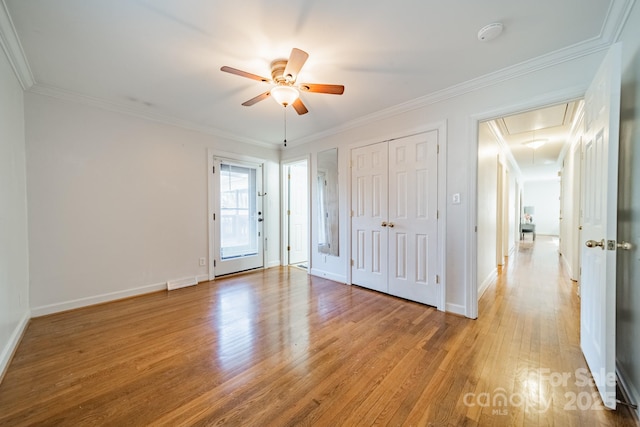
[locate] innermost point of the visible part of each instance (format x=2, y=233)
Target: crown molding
x=576, y=130
x=610, y=32
x=504, y=147
x=612, y=27
x=616, y=20
x=69, y=96
x=13, y=49
x=558, y=57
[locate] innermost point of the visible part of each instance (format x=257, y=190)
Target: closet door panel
x=370, y=247
x=413, y=217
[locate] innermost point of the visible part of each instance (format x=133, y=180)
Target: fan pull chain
x=285, y=126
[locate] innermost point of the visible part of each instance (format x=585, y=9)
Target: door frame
x=211, y=154
x=284, y=254
x=441, y=128
x=471, y=237
x=500, y=204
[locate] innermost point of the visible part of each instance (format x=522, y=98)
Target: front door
x=238, y=216
x=599, y=222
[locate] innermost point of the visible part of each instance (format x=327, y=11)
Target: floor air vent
x=181, y=283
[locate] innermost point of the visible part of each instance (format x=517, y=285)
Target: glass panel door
x=239, y=216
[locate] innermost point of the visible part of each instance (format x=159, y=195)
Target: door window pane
x=238, y=228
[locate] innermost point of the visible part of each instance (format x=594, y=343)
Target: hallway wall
x=14, y=251
x=544, y=196
x=488, y=151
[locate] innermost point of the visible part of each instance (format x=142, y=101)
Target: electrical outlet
x=455, y=199
x=203, y=262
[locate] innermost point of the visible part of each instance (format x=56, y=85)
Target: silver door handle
x=625, y=246
x=260, y=220
x=593, y=244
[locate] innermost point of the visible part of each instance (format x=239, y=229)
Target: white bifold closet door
x=394, y=218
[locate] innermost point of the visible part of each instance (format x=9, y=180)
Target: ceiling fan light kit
x=285, y=95
x=536, y=143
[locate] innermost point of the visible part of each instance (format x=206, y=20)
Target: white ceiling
x=552, y=124
x=162, y=58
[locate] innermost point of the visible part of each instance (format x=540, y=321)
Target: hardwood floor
x=280, y=348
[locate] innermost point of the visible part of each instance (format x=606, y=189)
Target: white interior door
x=297, y=212
x=598, y=261
x=238, y=216
x=369, y=204
x=413, y=218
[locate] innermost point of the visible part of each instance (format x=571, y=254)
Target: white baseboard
x=202, y=278
x=271, y=264
x=43, y=310
x=567, y=266
x=328, y=275
x=455, y=309
x=487, y=282
x=631, y=394
x=11, y=346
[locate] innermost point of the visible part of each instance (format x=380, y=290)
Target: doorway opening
x=524, y=160
x=296, y=219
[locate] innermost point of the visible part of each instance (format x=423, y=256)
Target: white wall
x=14, y=260
x=569, y=225
x=488, y=150
x=514, y=217
x=544, y=196
x=461, y=113
x=628, y=271
x=118, y=204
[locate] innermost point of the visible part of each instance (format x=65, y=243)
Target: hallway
x=533, y=316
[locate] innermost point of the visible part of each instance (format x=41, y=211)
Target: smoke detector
x=490, y=32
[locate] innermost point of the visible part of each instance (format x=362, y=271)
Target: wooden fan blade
x=299, y=107
x=244, y=74
x=256, y=99
x=294, y=64
x=322, y=88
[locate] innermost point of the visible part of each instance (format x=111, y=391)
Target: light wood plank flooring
x=280, y=348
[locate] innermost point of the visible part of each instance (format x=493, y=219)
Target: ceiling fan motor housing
x=277, y=71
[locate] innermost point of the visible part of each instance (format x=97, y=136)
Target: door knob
x=626, y=246
x=391, y=225
x=593, y=244
x=384, y=223
x=260, y=219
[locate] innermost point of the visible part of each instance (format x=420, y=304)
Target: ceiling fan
x=283, y=75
